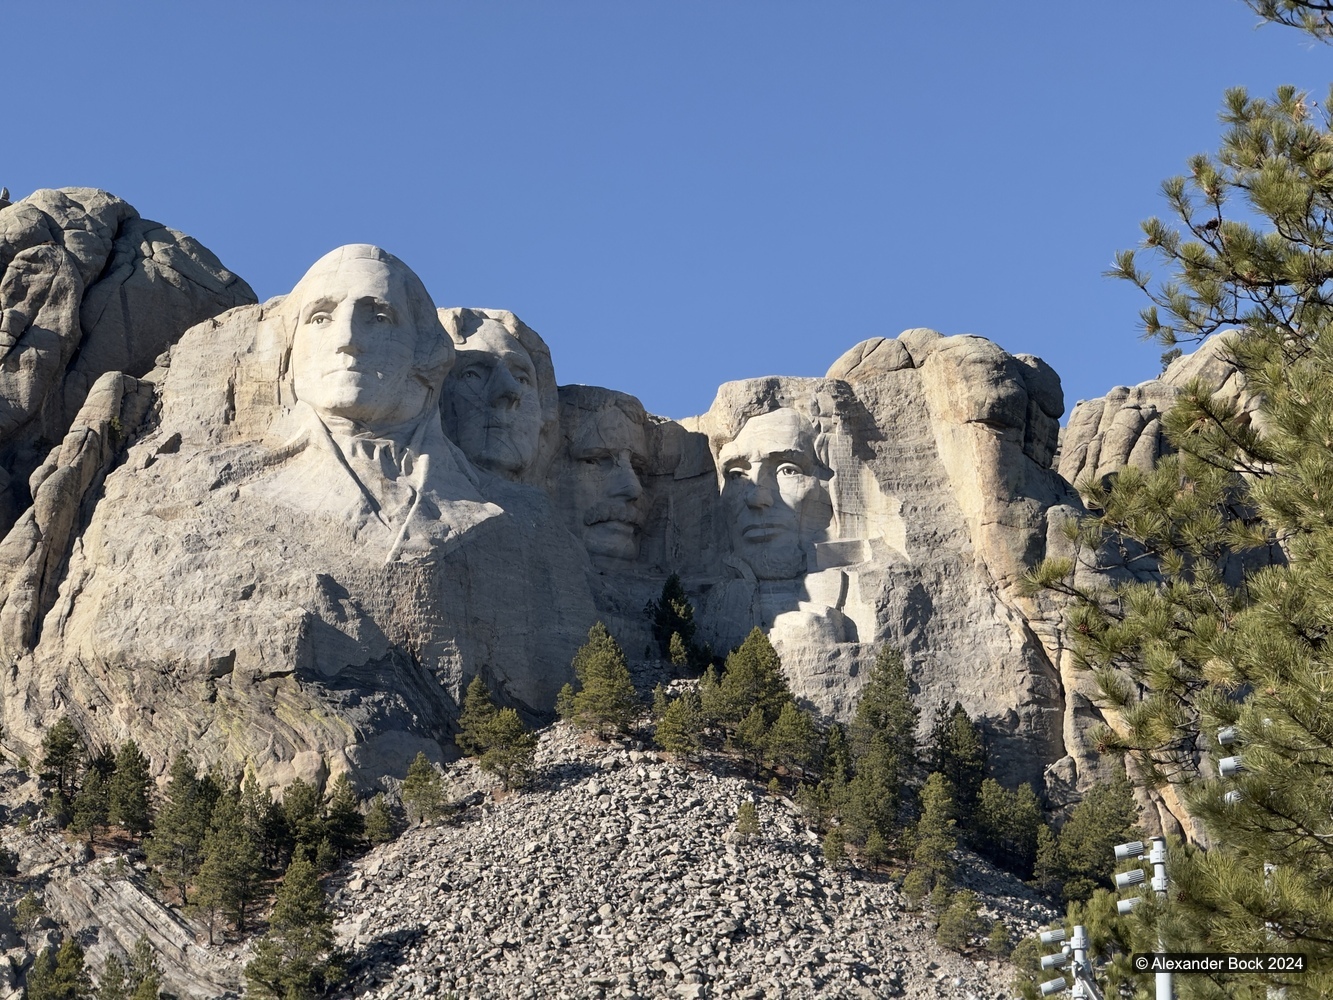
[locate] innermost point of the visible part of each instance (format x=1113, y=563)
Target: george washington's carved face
x=357, y=353
x=775, y=502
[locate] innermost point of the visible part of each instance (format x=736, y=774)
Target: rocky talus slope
x=620, y=875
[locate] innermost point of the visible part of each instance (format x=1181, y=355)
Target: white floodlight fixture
x=1125, y=907
x=1129, y=879
x=1229, y=767
x=1053, y=937
x=1233, y=796
x=1056, y=961
x=1052, y=986
x=1228, y=735
x=1124, y=852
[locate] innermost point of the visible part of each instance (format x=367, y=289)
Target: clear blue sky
x=673, y=193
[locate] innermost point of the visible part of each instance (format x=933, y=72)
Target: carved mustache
x=623, y=512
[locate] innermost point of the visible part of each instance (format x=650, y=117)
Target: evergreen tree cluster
x=672, y=617
x=605, y=700
x=496, y=737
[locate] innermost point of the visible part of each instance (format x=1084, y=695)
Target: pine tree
x=63, y=751
x=296, y=959
x=423, y=790
x=144, y=976
x=958, y=752
x=681, y=727
x=836, y=758
x=265, y=822
x=793, y=740
x=751, y=736
x=885, y=709
x=936, y=834
x=303, y=811
x=343, y=823
x=835, y=849
x=380, y=825
x=960, y=922
x=229, y=874
x=672, y=616
x=129, y=804
x=1006, y=825
x=510, y=750
x=606, y=701
x=752, y=678
x=91, y=805
x=113, y=983
x=1237, y=527
x=1081, y=858
x=475, y=719
x=177, y=844
x=747, y=820
x=59, y=975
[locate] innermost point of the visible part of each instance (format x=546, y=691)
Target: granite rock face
x=294, y=542
x=1124, y=428
x=86, y=287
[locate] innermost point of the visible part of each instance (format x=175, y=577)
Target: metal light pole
x=1124, y=880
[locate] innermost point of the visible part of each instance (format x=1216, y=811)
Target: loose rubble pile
x=621, y=876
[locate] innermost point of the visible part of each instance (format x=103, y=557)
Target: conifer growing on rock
x=59, y=974
x=91, y=806
x=958, y=752
x=752, y=678
x=936, y=834
x=476, y=717
x=177, y=844
x=423, y=790
x=674, y=626
x=1077, y=861
x=343, y=823
x=129, y=804
x=63, y=751
x=380, y=826
x=229, y=874
x=681, y=726
x=296, y=959
x=605, y=701
x=510, y=750
x=793, y=739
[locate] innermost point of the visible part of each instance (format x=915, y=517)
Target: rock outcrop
x=1124, y=428
x=269, y=548
x=86, y=287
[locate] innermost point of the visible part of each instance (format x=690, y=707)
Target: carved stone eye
x=319, y=319
x=790, y=470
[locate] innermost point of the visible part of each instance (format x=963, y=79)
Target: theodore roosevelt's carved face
x=607, y=451
x=357, y=348
x=774, y=501
x=492, y=407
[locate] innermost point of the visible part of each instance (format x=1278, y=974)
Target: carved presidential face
x=492, y=407
x=606, y=455
x=774, y=501
x=355, y=351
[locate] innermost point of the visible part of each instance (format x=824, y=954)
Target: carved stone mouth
x=764, y=532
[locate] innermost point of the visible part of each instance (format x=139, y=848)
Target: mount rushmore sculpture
x=293, y=539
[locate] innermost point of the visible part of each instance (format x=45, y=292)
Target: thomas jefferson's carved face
x=493, y=411
x=606, y=453
x=774, y=501
x=355, y=350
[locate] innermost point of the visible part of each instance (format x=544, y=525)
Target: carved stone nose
x=504, y=386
